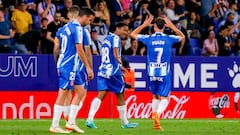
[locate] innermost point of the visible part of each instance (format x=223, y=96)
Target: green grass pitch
x=112, y=127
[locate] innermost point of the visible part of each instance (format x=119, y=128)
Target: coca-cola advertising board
x=37, y=105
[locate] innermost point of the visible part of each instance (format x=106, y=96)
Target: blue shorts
x=65, y=82
x=114, y=84
x=83, y=79
x=160, y=88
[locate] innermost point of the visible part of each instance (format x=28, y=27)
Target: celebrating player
x=110, y=77
x=158, y=60
x=71, y=49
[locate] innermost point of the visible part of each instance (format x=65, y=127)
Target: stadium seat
x=195, y=46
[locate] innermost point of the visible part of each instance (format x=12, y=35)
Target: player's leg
x=155, y=102
x=74, y=108
x=57, y=113
x=236, y=98
x=102, y=84
x=64, y=84
x=117, y=86
x=67, y=104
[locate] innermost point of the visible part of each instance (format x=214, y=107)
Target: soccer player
x=110, y=77
x=82, y=69
x=71, y=49
x=158, y=60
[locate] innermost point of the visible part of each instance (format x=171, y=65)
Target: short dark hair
x=223, y=27
x=159, y=22
x=44, y=19
x=2, y=9
x=120, y=25
x=86, y=11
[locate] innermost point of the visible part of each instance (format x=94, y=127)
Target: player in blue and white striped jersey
x=110, y=77
x=70, y=38
x=158, y=61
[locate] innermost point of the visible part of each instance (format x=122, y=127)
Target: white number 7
x=159, y=55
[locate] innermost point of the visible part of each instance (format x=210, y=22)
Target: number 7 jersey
x=109, y=65
x=158, y=52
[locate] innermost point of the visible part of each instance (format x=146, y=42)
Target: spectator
x=22, y=19
x=129, y=76
x=96, y=44
x=208, y=7
x=123, y=43
x=234, y=10
x=193, y=5
x=102, y=12
x=141, y=15
x=170, y=11
x=43, y=37
x=222, y=6
x=6, y=33
x=46, y=9
x=64, y=10
x=51, y=32
x=134, y=5
x=224, y=46
x=126, y=6
x=135, y=49
x=193, y=27
x=237, y=48
x=180, y=10
x=116, y=13
x=82, y=3
x=210, y=45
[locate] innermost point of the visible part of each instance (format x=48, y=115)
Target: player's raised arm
x=170, y=25
x=145, y=24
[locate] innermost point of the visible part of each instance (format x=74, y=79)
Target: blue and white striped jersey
x=109, y=65
x=69, y=35
x=158, y=52
x=87, y=41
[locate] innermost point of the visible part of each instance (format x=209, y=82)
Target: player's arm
x=116, y=55
x=56, y=48
x=88, y=55
x=87, y=46
x=84, y=60
x=175, y=29
x=146, y=23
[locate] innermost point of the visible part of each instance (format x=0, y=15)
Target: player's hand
x=90, y=73
x=148, y=20
x=168, y=23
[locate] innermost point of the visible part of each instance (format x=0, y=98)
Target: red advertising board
x=36, y=105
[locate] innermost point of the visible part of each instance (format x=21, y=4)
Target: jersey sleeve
x=143, y=38
x=174, y=38
x=116, y=42
x=78, y=35
x=86, y=37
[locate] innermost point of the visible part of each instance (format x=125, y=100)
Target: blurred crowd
x=211, y=26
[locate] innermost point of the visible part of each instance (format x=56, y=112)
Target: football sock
x=155, y=103
x=94, y=108
x=162, y=105
x=73, y=114
x=80, y=105
x=66, y=110
x=57, y=113
x=123, y=114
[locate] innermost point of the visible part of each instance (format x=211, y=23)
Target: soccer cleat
x=130, y=125
x=156, y=122
x=58, y=130
x=90, y=124
x=74, y=128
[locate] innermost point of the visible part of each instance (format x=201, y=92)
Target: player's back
x=159, y=52
x=109, y=65
x=69, y=35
